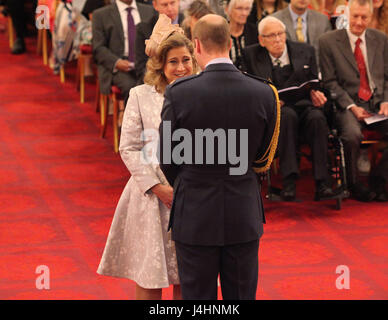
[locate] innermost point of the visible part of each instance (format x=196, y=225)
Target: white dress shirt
x=284, y=59
x=124, y=16
x=353, y=38
x=295, y=17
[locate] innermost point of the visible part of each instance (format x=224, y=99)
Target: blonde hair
x=232, y=3
x=382, y=17
x=155, y=65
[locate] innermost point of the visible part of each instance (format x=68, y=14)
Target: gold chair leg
x=82, y=79
x=62, y=73
x=44, y=46
x=115, y=123
x=10, y=33
x=103, y=113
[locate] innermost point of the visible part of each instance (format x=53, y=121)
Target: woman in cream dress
x=138, y=245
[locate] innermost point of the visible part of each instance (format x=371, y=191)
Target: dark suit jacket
x=212, y=207
x=339, y=68
x=143, y=33
x=108, y=40
x=302, y=59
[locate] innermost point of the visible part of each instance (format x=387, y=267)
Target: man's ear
x=154, y=4
x=230, y=44
x=197, y=46
x=260, y=40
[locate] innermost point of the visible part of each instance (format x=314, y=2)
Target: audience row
x=286, y=43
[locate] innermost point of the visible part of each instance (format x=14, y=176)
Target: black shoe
x=377, y=184
x=326, y=193
x=18, y=47
x=289, y=192
x=362, y=193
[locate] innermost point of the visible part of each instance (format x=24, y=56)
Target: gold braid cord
x=269, y=154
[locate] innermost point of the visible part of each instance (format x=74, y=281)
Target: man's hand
x=123, y=65
x=384, y=109
x=360, y=113
x=164, y=193
x=317, y=98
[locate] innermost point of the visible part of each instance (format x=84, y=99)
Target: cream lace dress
x=138, y=245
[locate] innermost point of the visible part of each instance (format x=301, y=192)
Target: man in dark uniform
x=217, y=212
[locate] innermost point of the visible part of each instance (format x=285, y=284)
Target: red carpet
x=60, y=184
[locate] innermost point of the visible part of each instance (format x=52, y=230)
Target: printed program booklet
x=297, y=93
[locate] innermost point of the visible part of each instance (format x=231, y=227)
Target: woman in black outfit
x=243, y=33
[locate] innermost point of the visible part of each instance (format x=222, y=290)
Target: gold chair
x=11, y=32
x=85, y=55
x=116, y=97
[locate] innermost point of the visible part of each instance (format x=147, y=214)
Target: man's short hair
x=214, y=36
x=362, y=3
x=198, y=9
x=269, y=19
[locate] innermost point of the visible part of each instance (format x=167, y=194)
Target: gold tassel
x=269, y=154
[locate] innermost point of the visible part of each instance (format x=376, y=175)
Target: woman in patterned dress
x=138, y=246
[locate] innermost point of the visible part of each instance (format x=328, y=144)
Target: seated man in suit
x=144, y=30
x=288, y=63
x=302, y=23
x=354, y=64
x=113, y=42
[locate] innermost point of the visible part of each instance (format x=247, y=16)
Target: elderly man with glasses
x=287, y=63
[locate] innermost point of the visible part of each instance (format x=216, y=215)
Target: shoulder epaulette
x=267, y=81
x=181, y=80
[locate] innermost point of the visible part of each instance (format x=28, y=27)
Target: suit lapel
x=296, y=57
x=370, y=43
x=117, y=21
x=265, y=67
x=346, y=50
x=287, y=20
x=311, y=26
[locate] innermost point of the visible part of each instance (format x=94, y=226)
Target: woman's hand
x=164, y=193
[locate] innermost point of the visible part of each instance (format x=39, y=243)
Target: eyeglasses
x=273, y=36
x=246, y=9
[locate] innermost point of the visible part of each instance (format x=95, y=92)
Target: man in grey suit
x=354, y=64
x=113, y=43
x=303, y=24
